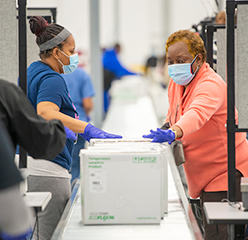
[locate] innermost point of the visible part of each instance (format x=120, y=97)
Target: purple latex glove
x=93, y=132
x=151, y=135
x=161, y=136
x=7, y=236
x=70, y=134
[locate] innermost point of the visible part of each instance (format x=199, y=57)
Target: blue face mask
x=182, y=74
x=73, y=63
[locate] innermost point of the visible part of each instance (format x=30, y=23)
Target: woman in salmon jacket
x=197, y=116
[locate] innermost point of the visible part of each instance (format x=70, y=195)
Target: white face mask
x=73, y=63
x=182, y=74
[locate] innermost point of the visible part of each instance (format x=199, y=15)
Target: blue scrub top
x=44, y=84
x=80, y=86
x=110, y=62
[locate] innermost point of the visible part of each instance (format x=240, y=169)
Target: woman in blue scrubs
x=48, y=93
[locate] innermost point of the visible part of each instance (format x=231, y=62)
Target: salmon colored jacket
x=201, y=113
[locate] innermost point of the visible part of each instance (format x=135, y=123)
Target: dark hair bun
x=37, y=25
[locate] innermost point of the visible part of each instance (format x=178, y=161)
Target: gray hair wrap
x=55, y=40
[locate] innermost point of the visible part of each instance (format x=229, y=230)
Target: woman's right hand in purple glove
x=93, y=132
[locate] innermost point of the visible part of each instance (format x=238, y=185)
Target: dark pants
x=49, y=218
x=107, y=100
x=75, y=168
x=219, y=232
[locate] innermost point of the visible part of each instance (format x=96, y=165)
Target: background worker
x=197, y=116
x=81, y=91
x=48, y=93
x=112, y=70
x=112, y=63
x=220, y=18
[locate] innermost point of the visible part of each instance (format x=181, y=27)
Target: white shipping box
x=121, y=187
x=133, y=145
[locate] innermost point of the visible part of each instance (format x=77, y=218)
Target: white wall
x=73, y=14
x=183, y=14
x=141, y=29
x=143, y=24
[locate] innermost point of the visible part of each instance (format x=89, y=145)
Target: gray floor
x=132, y=114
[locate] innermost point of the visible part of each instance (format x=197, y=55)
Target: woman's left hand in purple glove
x=161, y=136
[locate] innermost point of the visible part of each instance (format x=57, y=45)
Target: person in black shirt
x=19, y=124
x=39, y=137
x=15, y=216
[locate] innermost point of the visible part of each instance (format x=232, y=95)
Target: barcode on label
x=92, y=174
x=96, y=183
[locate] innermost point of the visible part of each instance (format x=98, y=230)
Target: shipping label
x=97, y=180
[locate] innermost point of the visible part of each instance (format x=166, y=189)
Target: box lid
x=118, y=140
